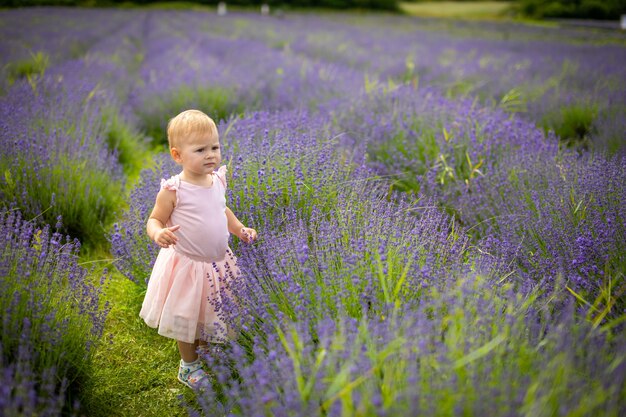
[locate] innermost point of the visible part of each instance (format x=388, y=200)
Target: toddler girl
x=191, y=224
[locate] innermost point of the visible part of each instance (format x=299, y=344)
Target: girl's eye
x=200, y=150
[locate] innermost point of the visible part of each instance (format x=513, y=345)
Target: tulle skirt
x=184, y=296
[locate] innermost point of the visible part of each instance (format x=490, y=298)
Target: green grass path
x=134, y=369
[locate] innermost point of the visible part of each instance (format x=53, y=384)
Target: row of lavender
x=355, y=291
x=330, y=253
x=361, y=301
x=61, y=180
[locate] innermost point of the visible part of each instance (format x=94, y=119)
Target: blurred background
x=537, y=9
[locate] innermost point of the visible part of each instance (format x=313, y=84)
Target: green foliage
x=586, y=9
x=573, y=124
x=30, y=3
x=123, y=138
x=513, y=101
x=32, y=69
x=220, y=103
x=331, y=4
x=420, y=155
x=85, y=198
x=412, y=152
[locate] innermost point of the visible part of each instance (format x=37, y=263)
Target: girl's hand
x=166, y=237
x=247, y=234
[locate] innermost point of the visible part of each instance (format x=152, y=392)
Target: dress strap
x=171, y=184
x=221, y=174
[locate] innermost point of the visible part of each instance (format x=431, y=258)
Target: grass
x=126, y=140
x=572, y=124
x=134, y=369
x=458, y=9
x=33, y=68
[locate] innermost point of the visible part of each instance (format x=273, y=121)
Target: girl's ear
x=176, y=155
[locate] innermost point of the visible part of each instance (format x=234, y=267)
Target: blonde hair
x=188, y=123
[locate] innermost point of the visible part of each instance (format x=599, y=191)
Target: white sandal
x=192, y=375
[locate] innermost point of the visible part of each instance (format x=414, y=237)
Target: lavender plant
x=52, y=318
x=32, y=41
x=465, y=348
x=556, y=216
x=345, y=262
x=549, y=72
x=427, y=140
x=57, y=161
x=225, y=73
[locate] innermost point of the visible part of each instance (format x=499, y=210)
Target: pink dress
x=189, y=278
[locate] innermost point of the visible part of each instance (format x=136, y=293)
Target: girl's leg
x=190, y=371
x=188, y=351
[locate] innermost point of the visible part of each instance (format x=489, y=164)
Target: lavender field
x=441, y=208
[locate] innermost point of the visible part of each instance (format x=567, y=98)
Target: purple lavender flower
x=49, y=302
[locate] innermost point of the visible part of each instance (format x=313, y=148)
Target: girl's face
x=199, y=155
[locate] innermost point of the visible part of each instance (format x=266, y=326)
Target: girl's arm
x=237, y=228
x=163, y=236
